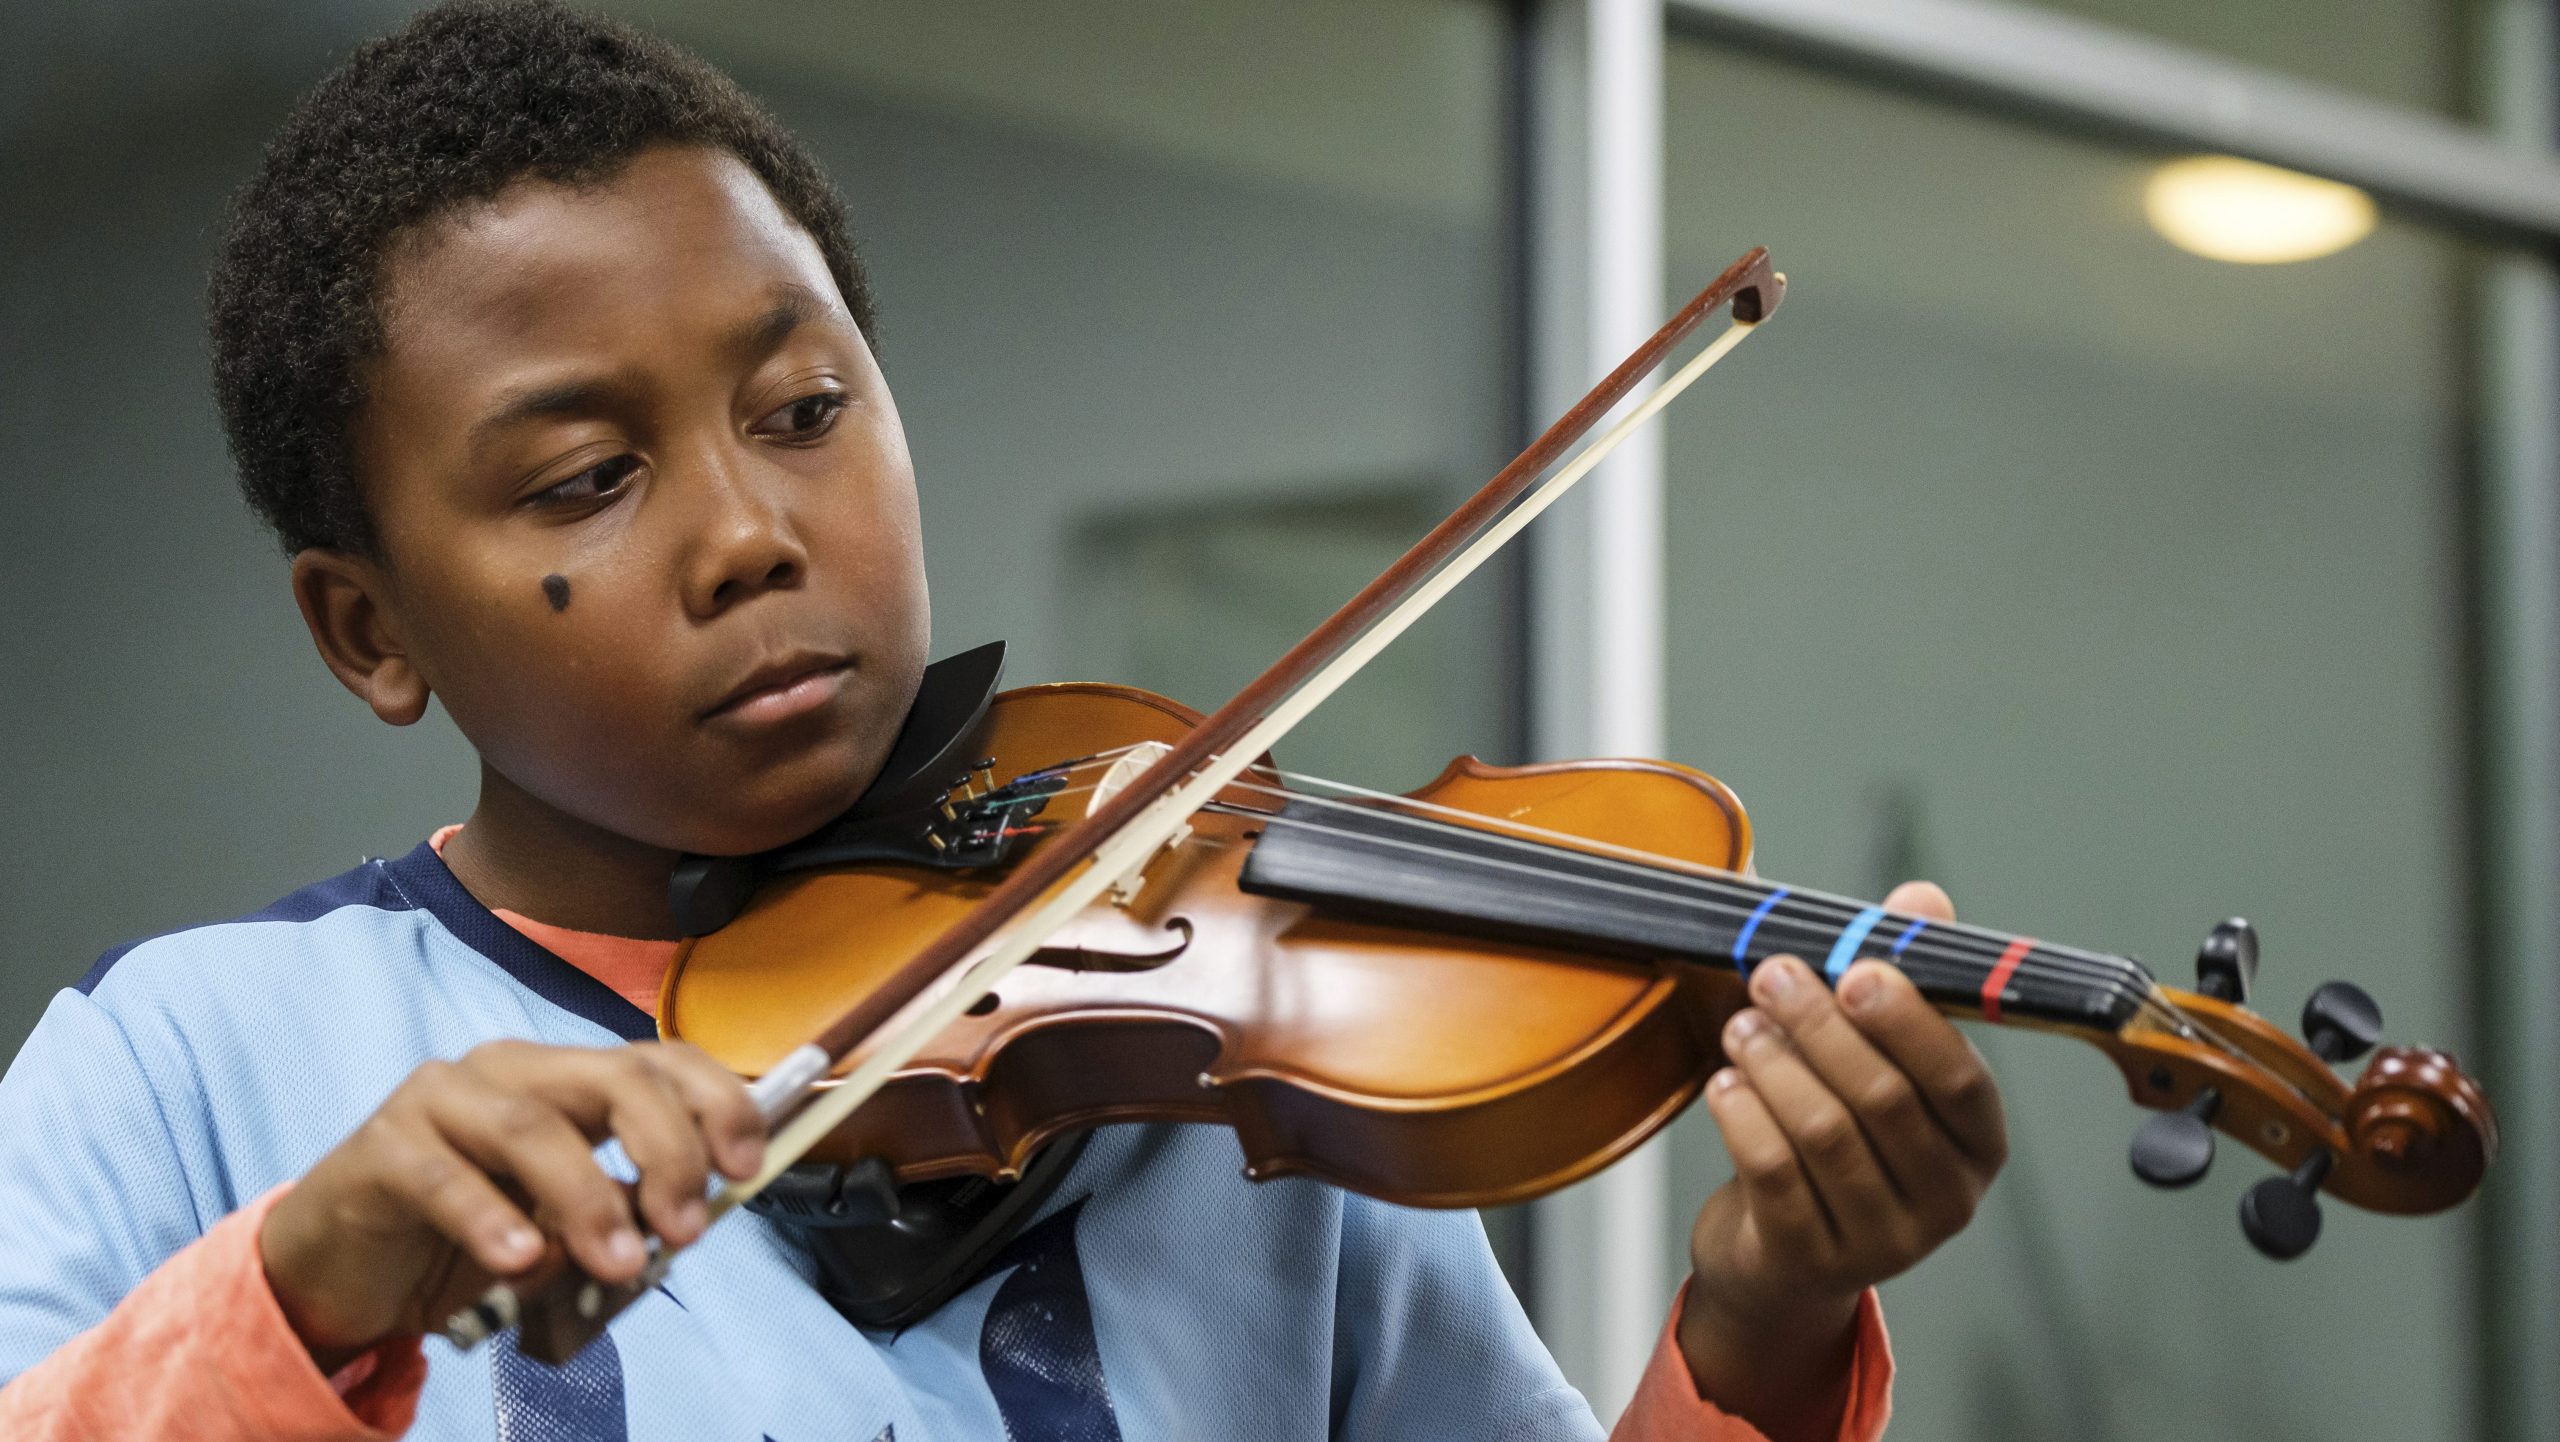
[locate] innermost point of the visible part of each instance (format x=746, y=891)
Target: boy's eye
x=595, y=483
x=805, y=419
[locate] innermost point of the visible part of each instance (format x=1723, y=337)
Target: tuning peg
x=2227, y=963
x=2172, y=1149
x=2281, y=1215
x=2341, y=1022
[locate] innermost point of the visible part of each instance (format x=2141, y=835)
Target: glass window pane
x=2119, y=590
x=2406, y=52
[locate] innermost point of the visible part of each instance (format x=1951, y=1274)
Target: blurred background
x=2124, y=542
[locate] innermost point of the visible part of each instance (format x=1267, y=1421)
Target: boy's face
x=648, y=525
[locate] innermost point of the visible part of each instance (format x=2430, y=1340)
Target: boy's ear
x=343, y=600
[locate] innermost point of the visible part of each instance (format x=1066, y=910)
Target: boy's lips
x=780, y=690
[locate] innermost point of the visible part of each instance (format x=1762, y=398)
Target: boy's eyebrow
x=566, y=398
x=795, y=308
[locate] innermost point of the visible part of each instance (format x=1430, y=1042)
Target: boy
x=545, y=353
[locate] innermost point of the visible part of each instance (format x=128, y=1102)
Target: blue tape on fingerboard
x=1852, y=936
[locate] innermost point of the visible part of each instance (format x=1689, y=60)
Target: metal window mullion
x=2518, y=828
x=2132, y=88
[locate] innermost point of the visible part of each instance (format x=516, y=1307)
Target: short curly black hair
x=465, y=99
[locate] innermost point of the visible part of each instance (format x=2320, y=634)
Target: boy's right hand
x=458, y=1179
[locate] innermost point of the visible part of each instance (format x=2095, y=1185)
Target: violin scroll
x=2412, y=1135
x=2415, y=1119
x=2408, y=1110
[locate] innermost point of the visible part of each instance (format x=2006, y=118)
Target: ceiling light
x=2224, y=208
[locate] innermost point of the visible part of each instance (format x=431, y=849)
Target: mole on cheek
x=556, y=589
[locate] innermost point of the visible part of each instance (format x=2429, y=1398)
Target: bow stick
x=934, y=987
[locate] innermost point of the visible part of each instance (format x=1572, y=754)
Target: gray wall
x=175, y=750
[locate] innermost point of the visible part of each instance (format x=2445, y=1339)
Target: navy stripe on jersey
x=366, y=885
x=537, y=1402
x=424, y=878
x=1037, y=1347
x=421, y=880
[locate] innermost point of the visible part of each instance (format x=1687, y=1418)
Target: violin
x=1472, y=993
x=1070, y=905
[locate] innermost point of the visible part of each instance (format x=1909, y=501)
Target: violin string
x=1095, y=761
x=1651, y=863
x=1743, y=898
x=1652, y=880
x=2118, y=973
x=2134, y=985
x=1971, y=967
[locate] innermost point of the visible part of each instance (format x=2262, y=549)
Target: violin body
x=1442, y=1071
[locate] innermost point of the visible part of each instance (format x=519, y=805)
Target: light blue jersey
x=1159, y=1297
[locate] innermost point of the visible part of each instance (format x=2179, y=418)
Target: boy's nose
x=743, y=540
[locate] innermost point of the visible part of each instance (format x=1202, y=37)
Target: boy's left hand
x=1863, y=1130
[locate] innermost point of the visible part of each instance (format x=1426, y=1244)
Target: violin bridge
x=1133, y=763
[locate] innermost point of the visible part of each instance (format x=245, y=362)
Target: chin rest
x=936, y=749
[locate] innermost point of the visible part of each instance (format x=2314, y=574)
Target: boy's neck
x=520, y=854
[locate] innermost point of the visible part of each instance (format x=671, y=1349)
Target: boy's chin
x=715, y=801
x=777, y=818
